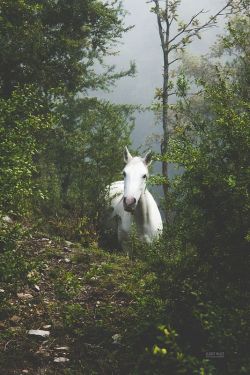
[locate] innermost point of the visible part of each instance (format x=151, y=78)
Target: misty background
x=142, y=45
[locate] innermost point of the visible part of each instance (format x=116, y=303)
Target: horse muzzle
x=129, y=204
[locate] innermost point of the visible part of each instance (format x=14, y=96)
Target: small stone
x=37, y=288
x=2, y=290
x=7, y=219
x=98, y=303
x=67, y=260
x=47, y=326
x=65, y=348
x=25, y=371
x=116, y=338
x=24, y=295
x=61, y=360
x=39, y=332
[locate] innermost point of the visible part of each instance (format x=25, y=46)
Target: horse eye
x=144, y=176
x=124, y=174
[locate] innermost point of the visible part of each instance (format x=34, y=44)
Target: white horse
x=132, y=202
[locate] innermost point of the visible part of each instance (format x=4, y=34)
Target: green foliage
x=204, y=310
x=13, y=261
x=75, y=228
x=56, y=147
x=169, y=305
x=203, y=262
x=22, y=124
x=66, y=40
x=73, y=315
x=182, y=85
x=82, y=157
x=166, y=356
x=67, y=285
x=9, y=234
x=215, y=155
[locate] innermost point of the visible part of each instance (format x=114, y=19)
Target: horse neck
x=142, y=211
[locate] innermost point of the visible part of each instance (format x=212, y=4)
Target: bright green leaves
x=182, y=85
x=20, y=128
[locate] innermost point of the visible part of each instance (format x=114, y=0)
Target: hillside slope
x=87, y=299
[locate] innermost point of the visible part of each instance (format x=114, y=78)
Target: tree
x=60, y=58
x=83, y=156
x=167, y=18
x=212, y=142
x=55, y=44
x=21, y=126
x=202, y=265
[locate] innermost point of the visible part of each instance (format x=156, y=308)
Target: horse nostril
x=129, y=201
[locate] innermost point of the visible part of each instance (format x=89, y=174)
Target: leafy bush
x=22, y=123
x=199, y=311
x=13, y=262
x=166, y=356
x=76, y=228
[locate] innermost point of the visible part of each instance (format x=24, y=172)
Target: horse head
x=135, y=176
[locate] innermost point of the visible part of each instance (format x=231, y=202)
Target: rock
x=47, y=326
x=7, y=219
x=25, y=371
x=61, y=360
x=2, y=290
x=116, y=338
x=39, y=332
x=24, y=295
x=37, y=288
x=67, y=260
x=63, y=348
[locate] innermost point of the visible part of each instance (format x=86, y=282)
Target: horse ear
x=127, y=155
x=148, y=158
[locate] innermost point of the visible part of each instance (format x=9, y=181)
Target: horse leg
x=124, y=226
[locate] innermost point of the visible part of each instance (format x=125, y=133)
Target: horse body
x=132, y=202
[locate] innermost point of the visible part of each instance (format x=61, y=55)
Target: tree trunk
x=165, y=96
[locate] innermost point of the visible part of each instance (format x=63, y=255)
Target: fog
x=142, y=45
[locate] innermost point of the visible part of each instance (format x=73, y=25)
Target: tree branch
x=173, y=61
x=161, y=32
x=194, y=31
x=186, y=26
